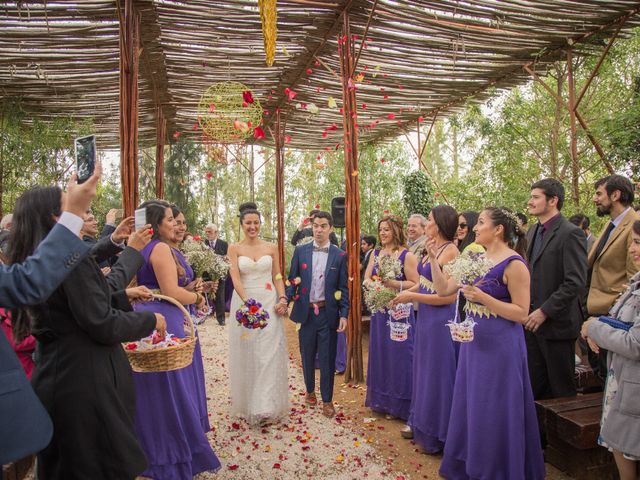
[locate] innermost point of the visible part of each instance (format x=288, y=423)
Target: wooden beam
x=279, y=156
x=573, y=140
x=129, y=63
x=355, y=366
x=161, y=134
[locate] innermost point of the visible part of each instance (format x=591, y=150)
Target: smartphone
x=140, y=218
x=85, y=151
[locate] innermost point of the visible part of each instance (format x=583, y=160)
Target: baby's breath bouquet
x=377, y=296
x=389, y=268
x=204, y=259
x=468, y=267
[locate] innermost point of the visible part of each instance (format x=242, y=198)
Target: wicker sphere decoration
x=228, y=112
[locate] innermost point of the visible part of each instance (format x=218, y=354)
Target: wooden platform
x=572, y=426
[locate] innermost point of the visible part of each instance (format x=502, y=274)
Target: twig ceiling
x=420, y=58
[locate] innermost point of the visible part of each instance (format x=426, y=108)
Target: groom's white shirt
x=319, y=260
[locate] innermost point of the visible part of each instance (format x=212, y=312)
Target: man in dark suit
x=582, y=221
x=367, y=246
x=318, y=286
x=220, y=247
x=557, y=256
x=25, y=426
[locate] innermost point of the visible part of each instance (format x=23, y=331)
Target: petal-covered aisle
x=304, y=445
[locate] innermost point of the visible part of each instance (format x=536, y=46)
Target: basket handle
x=185, y=312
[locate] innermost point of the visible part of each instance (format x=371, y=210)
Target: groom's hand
x=343, y=325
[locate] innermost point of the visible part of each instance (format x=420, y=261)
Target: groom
x=319, y=289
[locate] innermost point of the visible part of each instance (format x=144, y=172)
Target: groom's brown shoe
x=328, y=410
x=311, y=399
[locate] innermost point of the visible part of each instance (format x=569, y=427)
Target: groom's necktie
x=321, y=249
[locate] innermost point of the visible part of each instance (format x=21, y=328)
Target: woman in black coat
x=82, y=375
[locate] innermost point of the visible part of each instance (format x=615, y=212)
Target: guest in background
x=435, y=354
x=582, y=221
x=304, y=231
x=168, y=420
x=465, y=235
x=220, y=247
x=524, y=221
x=367, y=246
x=389, y=374
x=415, y=233
x=557, y=256
x=493, y=429
x=620, y=424
x=111, y=240
x=24, y=349
x=82, y=375
x=610, y=264
x=5, y=231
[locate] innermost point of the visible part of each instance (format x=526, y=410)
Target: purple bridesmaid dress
x=435, y=358
x=389, y=372
x=493, y=429
x=171, y=418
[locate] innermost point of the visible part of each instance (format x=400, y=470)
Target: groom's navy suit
x=318, y=324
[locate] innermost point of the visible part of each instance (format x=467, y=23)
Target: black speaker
x=337, y=212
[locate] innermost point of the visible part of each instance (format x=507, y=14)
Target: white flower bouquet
x=389, y=268
x=203, y=259
x=377, y=296
x=468, y=268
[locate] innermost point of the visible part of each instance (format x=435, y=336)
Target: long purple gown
x=389, y=372
x=171, y=416
x=493, y=429
x=435, y=358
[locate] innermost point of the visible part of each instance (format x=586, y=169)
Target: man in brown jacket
x=610, y=264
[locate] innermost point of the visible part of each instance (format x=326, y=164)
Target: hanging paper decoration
x=268, y=17
x=235, y=114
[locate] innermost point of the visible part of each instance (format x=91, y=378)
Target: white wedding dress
x=258, y=359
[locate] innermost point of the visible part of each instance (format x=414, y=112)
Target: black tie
x=603, y=240
x=537, y=243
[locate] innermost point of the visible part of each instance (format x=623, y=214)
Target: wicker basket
x=169, y=358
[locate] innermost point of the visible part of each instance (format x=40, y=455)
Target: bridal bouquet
x=389, y=268
x=468, y=267
x=204, y=259
x=251, y=315
x=377, y=296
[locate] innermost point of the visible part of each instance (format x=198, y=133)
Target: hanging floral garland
x=228, y=113
x=268, y=17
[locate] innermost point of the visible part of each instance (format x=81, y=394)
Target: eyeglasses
x=462, y=225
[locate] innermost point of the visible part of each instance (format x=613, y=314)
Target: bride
x=258, y=363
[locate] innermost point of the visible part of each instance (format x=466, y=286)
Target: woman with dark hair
x=493, y=429
x=435, y=355
x=620, y=423
x=465, y=235
x=82, y=374
x=389, y=373
x=258, y=358
x=169, y=418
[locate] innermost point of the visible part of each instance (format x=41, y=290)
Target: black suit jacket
x=221, y=247
x=559, y=278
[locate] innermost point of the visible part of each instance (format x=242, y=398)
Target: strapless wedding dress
x=258, y=359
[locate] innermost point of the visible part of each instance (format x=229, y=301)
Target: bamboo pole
x=279, y=157
x=161, y=133
x=573, y=131
x=355, y=368
x=129, y=64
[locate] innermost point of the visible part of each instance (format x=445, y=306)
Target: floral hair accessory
x=513, y=217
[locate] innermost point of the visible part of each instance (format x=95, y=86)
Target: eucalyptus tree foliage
x=522, y=135
x=34, y=152
x=419, y=193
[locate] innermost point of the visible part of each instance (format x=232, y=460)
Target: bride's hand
x=281, y=309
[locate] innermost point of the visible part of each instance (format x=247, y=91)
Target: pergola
x=371, y=69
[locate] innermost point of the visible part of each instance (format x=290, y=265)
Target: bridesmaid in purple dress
x=435, y=355
x=389, y=372
x=197, y=286
x=168, y=412
x=493, y=429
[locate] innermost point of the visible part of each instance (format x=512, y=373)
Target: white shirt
x=71, y=222
x=319, y=266
x=619, y=218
